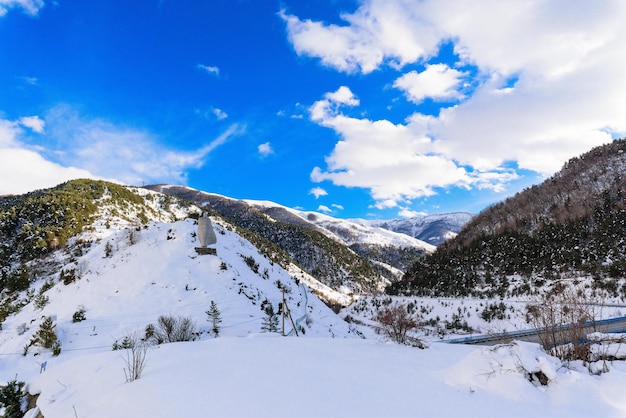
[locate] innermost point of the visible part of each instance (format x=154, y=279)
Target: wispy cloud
x=209, y=69
x=32, y=81
x=73, y=145
x=30, y=7
x=324, y=208
x=219, y=113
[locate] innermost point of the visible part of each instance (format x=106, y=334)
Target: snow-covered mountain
x=433, y=229
x=340, y=253
x=102, y=264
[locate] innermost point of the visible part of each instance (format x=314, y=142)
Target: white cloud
x=337, y=206
x=30, y=7
x=408, y=213
x=34, y=123
x=209, y=69
x=219, y=113
x=568, y=71
x=265, y=149
x=324, y=208
x=437, y=81
x=317, y=192
x=18, y=174
x=378, y=32
x=23, y=170
x=74, y=147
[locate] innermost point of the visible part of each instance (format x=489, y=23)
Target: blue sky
x=371, y=108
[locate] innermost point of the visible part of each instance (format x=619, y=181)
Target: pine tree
x=214, y=317
x=11, y=396
x=270, y=322
x=47, y=337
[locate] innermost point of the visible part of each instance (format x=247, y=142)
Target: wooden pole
x=282, y=311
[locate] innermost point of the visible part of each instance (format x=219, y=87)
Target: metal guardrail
x=478, y=339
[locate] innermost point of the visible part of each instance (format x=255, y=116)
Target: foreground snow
x=271, y=376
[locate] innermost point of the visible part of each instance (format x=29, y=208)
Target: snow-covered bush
x=170, y=329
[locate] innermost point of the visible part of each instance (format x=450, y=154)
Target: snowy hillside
x=130, y=267
x=350, y=259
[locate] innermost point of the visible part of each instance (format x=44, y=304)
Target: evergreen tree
x=270, y=322
x=46, y=337
x=214, y=317
x=11, y=396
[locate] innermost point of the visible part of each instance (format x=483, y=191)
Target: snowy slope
x=314, y=377
x=159, y=274
x=129, y=276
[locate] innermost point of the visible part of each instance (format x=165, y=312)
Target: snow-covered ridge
x=348, y=231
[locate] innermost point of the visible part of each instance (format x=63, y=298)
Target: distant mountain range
x=433, y=229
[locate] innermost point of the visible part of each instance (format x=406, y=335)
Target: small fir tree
x=270, y=322
x=46, y=335
x=11, y=399
x=214, y=317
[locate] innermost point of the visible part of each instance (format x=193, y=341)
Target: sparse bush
x=56, y=348
x=68, y=276
x=493, y=311
x=149, y=333
x=395, y=323
x=251, y=262
x=22, y=328
x=41, y=301
x=127, y=342
x=562, y=319
x=108, y=249
x=135, y=357
x=170, y=329
x=79, y=315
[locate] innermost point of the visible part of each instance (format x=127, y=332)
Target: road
x=613, y=325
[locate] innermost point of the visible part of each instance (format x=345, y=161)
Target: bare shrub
x=395, y=323
x=170, y=329
x=563, y=318
x=135, y=359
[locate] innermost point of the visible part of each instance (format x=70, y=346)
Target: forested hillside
x=331, y=262
x=572, y=225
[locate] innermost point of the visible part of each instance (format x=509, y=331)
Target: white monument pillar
x=206, y=235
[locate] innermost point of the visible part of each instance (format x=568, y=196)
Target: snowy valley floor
x=270, y=376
